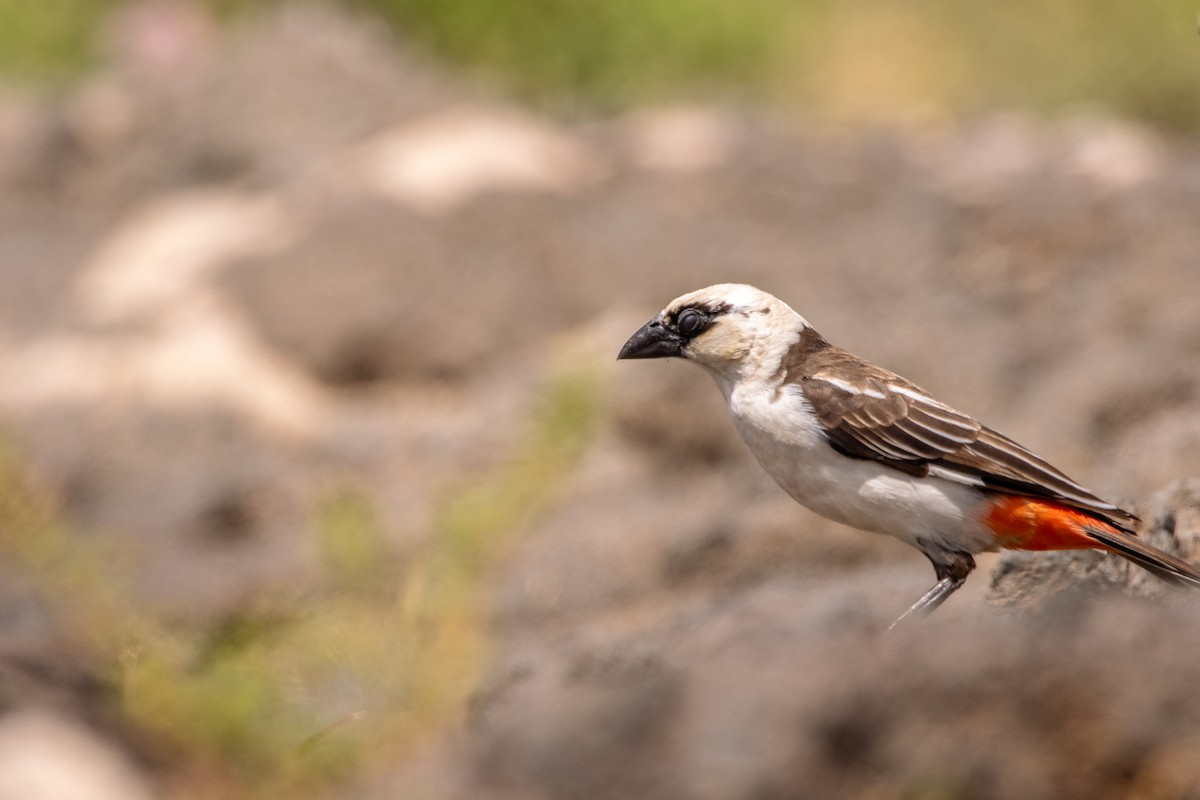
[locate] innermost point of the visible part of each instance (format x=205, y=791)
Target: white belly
x=926, y=512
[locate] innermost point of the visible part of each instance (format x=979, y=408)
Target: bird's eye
x=690, y=321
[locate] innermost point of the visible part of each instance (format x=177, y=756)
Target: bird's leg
x=950, y=574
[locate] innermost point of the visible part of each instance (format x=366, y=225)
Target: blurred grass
x=48, y=40
x=860, y=61
x=616, y=51
x=291, y=695
x=57, y=40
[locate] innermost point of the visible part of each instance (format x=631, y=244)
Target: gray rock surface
x=227, y=292
x=1076, y=679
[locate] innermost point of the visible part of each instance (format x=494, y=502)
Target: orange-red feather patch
x=1022, y=523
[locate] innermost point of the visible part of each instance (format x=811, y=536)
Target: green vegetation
x=612, y=51
x=58, y=40
x=864, y=60
x=292, y=694
x=48, y=40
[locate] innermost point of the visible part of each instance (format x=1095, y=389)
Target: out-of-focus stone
x=46, y=757
x=1113, y=154
x=681, y=138
x=435, y=164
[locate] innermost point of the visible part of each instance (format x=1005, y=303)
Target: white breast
x=784, y=435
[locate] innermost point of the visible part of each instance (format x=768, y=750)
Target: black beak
x=653, y=340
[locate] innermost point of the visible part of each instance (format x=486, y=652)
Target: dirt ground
x=301, y=256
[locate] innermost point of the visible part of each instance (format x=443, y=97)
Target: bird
x=865, y=447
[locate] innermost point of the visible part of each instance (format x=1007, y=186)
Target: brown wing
x=868, y=412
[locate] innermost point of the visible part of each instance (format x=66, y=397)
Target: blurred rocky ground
x=244, y=269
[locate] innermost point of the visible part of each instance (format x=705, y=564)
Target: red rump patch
x=1022, y=523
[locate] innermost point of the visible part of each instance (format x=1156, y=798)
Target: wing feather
x=870, y=413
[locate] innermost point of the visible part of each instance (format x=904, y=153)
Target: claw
x=950, y=575
x=931, y=599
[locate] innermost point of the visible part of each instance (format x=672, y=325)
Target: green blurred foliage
x=613, y=51
x=864, y=60
x=49, y=40
x=353, y=546
x=57, y=40
x=1142, y=59
x=294, y=693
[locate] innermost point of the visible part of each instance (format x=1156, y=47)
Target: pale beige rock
x=681, y=139
x=438, y=162
x=47, y=757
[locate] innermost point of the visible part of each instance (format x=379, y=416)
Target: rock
x=305, y=261
x=787, y=691
x=47, y=757
x=790, y=686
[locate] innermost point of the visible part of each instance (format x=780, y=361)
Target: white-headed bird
x=865, y=447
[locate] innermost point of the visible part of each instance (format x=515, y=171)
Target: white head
x=732, y=329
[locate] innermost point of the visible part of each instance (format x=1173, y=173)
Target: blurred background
x=318, y=478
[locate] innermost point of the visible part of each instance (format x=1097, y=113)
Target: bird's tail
x=1169, y=568
x=1024, y=523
